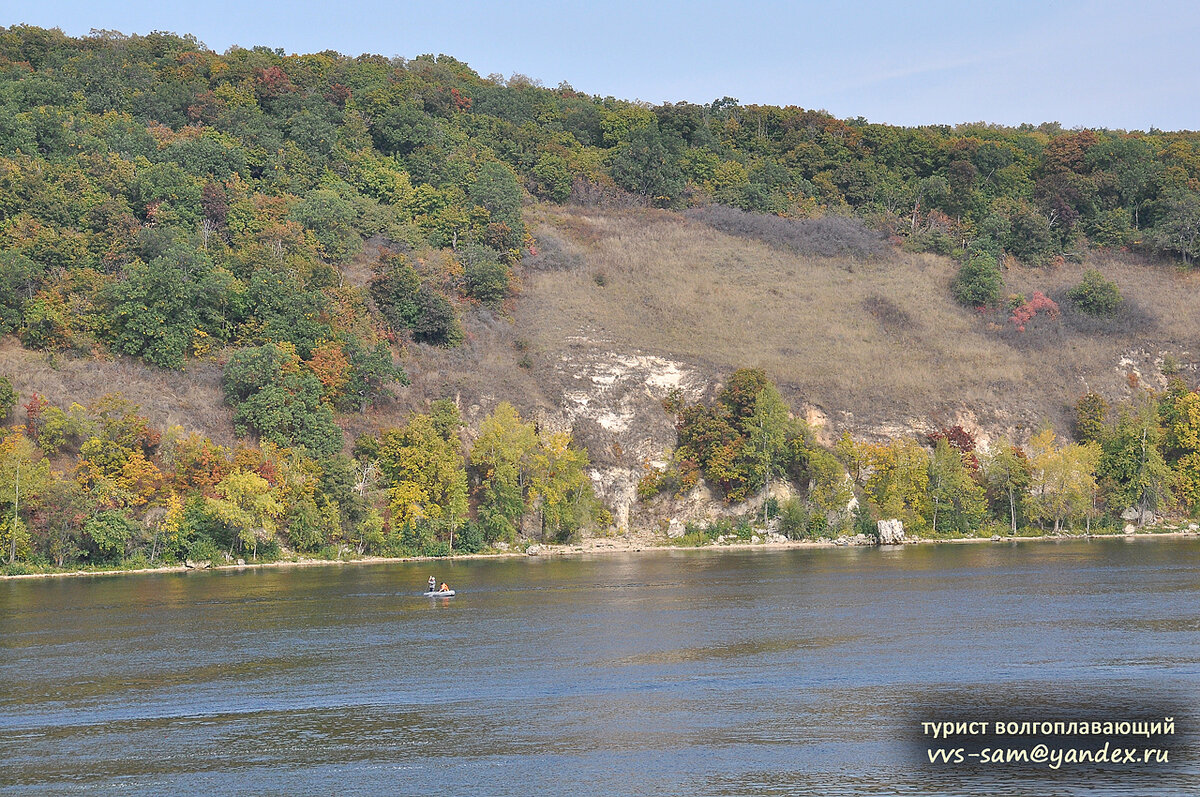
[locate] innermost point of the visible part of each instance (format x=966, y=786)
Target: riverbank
x=600, y=545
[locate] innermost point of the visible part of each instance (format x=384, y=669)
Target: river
x=801, y=671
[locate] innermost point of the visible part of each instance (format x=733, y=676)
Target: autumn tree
x=1006, y=477
x=502, y=458
x=560, y=490
x=1179, y=417
x=898, y=483
x=24, y=475
x=427, y=483
x=245, y=503
x=1062, y=478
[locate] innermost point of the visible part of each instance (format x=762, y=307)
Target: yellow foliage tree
x=246, y=504
x=1062, y=479
x=897, y=481
x=23, y=476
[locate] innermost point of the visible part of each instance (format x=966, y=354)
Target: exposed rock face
x=675, y=529
x=612, y=401
x=891, y=532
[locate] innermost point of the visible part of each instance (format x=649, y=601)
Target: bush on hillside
x=1095, y=294
x=979, y=282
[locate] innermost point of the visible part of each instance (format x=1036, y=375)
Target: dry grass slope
x=875, y=343
x=192, y=399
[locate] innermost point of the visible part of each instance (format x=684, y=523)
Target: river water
x=674, y=672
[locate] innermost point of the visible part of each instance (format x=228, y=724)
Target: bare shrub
x=551, y=253
x=829, y=236
x=587, y=194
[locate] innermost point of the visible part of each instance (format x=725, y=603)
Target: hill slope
x=874, y=344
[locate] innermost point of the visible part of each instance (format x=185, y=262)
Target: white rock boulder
x=891, y=532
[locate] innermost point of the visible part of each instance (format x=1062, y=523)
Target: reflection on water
x=690, y=672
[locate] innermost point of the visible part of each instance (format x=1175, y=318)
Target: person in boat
x=432, y=584
x=444, y=587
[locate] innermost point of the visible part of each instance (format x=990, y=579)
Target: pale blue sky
x=1099, y=64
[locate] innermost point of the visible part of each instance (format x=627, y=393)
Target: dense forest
x=165, y=202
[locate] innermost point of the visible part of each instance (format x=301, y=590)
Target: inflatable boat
x=449, y=593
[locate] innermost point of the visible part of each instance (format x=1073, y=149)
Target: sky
x=1116, y=65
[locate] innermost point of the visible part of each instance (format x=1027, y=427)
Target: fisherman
x=432, y=584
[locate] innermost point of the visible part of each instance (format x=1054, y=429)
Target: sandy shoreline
x=593, y=545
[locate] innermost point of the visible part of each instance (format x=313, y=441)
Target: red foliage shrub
x=962, y=441
x=1025, y=313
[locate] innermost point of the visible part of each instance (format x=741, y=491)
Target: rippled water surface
x=692, y=672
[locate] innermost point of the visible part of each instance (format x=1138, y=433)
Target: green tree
x=958, y=502
x=8, y=398
x=446, y=418
x=331, y=218
x=284, y=310
x=1091, y=416
x=552, y=178
x=1178, y=229
x=979, y=282
x=497, y=189
x=394, y=290
x=371, y=370
x=110, y=532
x=152, y=313
x=487, y=281
x=648, y=166
x=436, y=321
x=829, y=489
x=1131, y=465
x=1095, y=295
x=276, y=398
x=65, y=507
x=768, y=429
x=20, y=278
